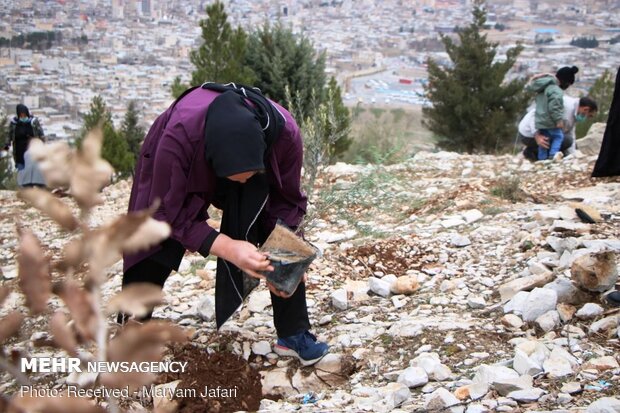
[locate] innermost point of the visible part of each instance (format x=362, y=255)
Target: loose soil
x=221, y=370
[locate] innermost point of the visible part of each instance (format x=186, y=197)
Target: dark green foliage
x=473, y=109
x=602, y=92
x=33, y=40
x=220, y=57
x=280, y=59
x=131, y=132
x=115, y=149
x=341, y=124
x=177, y=88
x=585, y=42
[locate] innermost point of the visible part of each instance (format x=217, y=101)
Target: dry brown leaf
x=136, y=299
x=90, y=173
x=150, y=233
x=140, y=343
x=63, y=335
x=54, y=160
x=9, y=325
x=53, y=207
x=74, y=254
x=33, y=268
x=25, y=403
x=80, y=304
x=4, y=293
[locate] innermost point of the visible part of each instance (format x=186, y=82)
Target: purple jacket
x=172, y=167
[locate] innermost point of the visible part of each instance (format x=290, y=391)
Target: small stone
x=526, y=396
x=564, y=398
x=379, y=287
x=405, y=285
x=339, y=299
x=472, y=215
x=512, y=321
x=413, y=377
x=548, y=321
x=511, y=288
x=262, y=348
x=326, y=319
x=259, y=300
x=571, y=387
x=440, y=400
x=539, y=301
x=604, y=405
x=206, y=308
x=394, y=394
x=566, y=312
x=595, y=272
x=523, y=364
x=557, y=367
x=589, y=311
x=476, y=302
x=602, y=363
x=604, y=324
x=9, y=272
x=459, y=241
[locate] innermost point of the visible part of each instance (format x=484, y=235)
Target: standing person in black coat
x=23, y=128
x=608, y=162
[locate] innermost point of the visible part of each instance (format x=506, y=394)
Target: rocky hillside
x=447, y=283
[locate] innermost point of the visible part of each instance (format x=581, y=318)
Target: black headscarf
x=21, y=108
x=238, y=138
x=608, y=162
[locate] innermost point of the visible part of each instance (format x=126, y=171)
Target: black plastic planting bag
x=290, y=256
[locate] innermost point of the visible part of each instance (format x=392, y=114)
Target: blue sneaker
x=303, y=346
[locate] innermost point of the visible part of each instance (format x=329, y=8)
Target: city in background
x=127, y=50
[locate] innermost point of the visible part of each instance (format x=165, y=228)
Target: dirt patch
x=226, y=382
x=395, y=256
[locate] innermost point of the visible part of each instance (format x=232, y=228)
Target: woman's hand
x=242, y=254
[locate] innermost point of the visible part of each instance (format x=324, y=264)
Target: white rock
x=510, y=385
x=431, y=363
x=523, y=364
x=185, y=266
x=602, y=363
x=571, y=387
x=548, y=321
x=262, y=348
x=9, y=272
x=589, y=311
x=379, y=287
x=395, y=394
x=339, y=299
x=276, y=382
x=512, y=321
x=476, y=301
x=557, y=367
x=604, y=324
x=476, y=408
x=413, y=377
x=326, y=319
x=258, y=301
x=526, y=396
x=561, y=226
x=510, y=289
x=472, y=215
x=564, y=398
x=517, y=303
x=486, y=375
x=206, y=308
x=460, y=241
x=537, y=268
x=539, y=301
x=439, y=400
x=452, y=222
x=604, y=405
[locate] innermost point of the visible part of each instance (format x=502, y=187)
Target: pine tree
x=473, y=108
x=115, y=149
x=131, y=131
x=280, y=59
x=177, y=88
x=602, y=92
x=341, y=123
x=220, y=57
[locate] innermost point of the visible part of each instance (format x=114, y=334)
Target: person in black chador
x=608, y=162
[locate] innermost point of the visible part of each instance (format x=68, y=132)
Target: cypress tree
x=473, y=108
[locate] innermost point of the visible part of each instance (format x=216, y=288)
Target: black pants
x=290, y=315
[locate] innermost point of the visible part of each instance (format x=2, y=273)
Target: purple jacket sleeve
x=287, y=202
x=184, y=211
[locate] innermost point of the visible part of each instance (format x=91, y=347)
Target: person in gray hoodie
x=550, y=107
